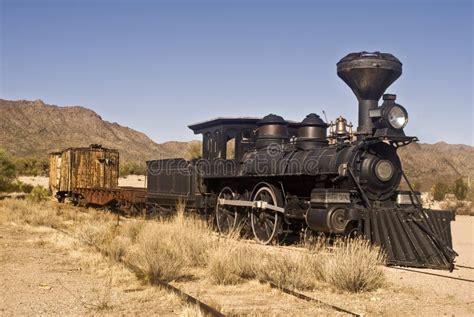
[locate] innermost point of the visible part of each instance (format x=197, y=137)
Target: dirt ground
x=448, y=296
x=40, y=278
x=132, y=180
x=410, y=293
x=35, y=180
x=44, y=272
x=41, y=275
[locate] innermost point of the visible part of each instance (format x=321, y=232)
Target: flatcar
x=274, y=178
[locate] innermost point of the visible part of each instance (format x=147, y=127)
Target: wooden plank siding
x=91, y=167
x=54, y=171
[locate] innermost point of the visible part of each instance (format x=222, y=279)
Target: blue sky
x=157, y=66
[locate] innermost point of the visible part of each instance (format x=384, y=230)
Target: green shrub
x=31, y=166
x=439, y=191
x=132, y=168
x=10, y=167
x=38, y=193
x=19, y=186
x=460, y=189
x=7, y=172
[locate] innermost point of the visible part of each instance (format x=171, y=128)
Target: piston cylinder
x=328, y=211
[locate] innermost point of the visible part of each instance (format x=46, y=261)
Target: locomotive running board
x=420, y=238
x=253, y=204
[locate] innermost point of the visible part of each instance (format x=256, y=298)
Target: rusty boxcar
x=83, y=168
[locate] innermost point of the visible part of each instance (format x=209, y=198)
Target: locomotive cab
x=226, y=138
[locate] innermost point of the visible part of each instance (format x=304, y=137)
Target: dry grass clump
x=107, y=237
x=158, y=250
x=117, y=241
x=231, y=262
x=131, y=229
x=97, y=233
x=113, y=239
x=355, y=266
x=296, y=271
x=166, y=251
x=192, y=311
x=46, y=217
x=191, y=237
x=118, y=248
x=32, y=213
x=351, y=265
x=156, y=256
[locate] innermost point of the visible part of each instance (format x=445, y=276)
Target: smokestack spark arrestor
x=368, y=75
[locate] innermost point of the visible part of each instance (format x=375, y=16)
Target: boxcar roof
x=88, y=148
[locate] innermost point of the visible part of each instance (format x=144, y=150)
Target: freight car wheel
x=227, y=217
x=266, y=223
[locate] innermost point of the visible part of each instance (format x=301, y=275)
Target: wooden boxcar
x=83, y=168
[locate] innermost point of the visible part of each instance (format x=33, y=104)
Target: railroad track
x=437, y=275
x=207, y=309
x=465, y=267
x=215, y=312
x=309, y=299
x=211, y=311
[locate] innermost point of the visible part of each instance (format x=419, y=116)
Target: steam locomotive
x=274, y=177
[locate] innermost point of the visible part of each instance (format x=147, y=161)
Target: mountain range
x=33, y=129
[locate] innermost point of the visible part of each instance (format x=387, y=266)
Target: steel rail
x=433, y=274
x=309, y=299
x=464, y=267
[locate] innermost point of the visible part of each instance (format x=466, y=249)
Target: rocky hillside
x=33, y=128
x=427, y=164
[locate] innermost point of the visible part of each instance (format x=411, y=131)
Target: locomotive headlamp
x=396, y=116
x=384, y=170
x=390, y=118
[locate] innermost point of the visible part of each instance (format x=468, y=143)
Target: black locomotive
x=279, y=177
x=273, y=178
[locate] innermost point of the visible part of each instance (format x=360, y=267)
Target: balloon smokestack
x=368, y=75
